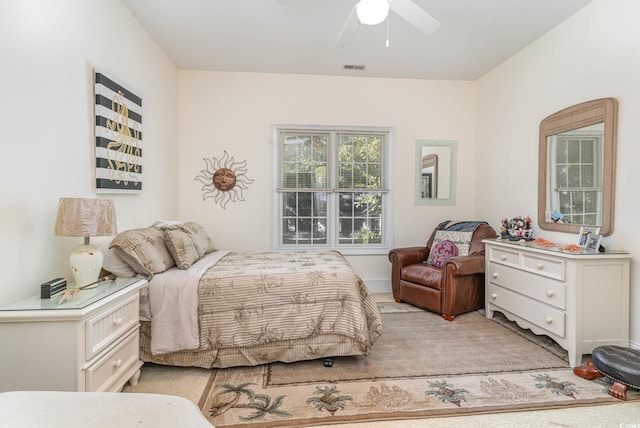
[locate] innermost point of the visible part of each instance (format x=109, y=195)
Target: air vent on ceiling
x=353, y=67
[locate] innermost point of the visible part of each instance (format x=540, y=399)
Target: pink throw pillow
x=441, y=252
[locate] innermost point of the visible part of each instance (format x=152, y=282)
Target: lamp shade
x=85, y=217
x=372, y=12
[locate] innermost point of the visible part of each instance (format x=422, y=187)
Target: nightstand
x=90, y=344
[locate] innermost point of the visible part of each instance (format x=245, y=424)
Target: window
x=577, y=180
x=331, y=189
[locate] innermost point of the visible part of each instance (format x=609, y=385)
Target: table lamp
x=85, y=217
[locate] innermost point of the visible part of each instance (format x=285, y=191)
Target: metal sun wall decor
x=224, y=179
x=118, y=114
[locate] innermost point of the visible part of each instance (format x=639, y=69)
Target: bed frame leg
x=328, y=362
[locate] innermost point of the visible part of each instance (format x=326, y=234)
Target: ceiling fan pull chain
x=387, y=44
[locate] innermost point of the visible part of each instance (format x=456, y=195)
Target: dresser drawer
x=106, y=370
x=544, y=316
x=546, y=290
x=505, y=257
x=106, y=327
x=545, y=266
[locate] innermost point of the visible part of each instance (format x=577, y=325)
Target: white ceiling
x=298, y=36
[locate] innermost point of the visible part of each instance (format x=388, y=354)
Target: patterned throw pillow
x=201, y=240
x=144, y=250
x=441, y=252
x=181, y=248
x=462, y=240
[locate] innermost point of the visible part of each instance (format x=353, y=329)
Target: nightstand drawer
x=109, y=325
x=106, y=370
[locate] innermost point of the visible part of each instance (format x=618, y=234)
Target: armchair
x=455, y=288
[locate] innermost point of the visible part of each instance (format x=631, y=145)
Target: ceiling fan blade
x=349, y=29
x=415, y=15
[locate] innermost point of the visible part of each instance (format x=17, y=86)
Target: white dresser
x=580, y=300
x=86, y=344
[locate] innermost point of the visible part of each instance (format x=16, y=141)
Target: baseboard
x=378, y=285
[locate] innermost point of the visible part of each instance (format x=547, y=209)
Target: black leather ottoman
x=620, y=364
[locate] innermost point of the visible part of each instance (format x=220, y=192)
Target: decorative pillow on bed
x=144, y=250
x=462, y=240
x=181, y=247
x=201, y=240
x=112, y=263
x=441, y=252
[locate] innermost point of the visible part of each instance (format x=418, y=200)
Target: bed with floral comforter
x=260, y=307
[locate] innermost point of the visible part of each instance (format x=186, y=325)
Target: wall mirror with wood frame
x=576, y=177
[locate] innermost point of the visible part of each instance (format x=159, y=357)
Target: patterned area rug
x=421, y=367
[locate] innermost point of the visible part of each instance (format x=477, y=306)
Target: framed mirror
x=435, y=172
x=576, y=177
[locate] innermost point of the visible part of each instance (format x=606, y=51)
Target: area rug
x=422, y=367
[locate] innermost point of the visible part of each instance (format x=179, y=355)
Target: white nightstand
x=90, y=344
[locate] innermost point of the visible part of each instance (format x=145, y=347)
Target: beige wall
x=49, y=49
x=594, y=54
x=236, y=111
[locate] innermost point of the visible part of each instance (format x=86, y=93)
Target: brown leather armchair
x=455, y=288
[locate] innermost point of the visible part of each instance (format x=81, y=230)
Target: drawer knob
x=117, y=363
x=550, y=293
x=503, y=257
x=494, y=296
x=549, y=320
x=540, y=266
x=117, y=322
x=495, y=274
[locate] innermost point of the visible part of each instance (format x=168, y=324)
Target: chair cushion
x=441, y=252
x=422, y=274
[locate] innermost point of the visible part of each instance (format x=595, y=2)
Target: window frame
x=333, y=191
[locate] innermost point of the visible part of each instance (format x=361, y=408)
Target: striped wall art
x=118, y=115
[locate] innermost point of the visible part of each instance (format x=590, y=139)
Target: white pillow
x=112, y=263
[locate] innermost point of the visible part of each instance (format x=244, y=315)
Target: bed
x=238, y=308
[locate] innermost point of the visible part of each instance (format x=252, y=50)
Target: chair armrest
x=465, y=265
x=401, y=257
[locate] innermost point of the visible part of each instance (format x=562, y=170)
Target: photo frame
x=585, y=233
x=593, y=243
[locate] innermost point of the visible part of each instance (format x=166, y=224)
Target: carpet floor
x=421, y=368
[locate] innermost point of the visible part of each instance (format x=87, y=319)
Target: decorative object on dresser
x=578, y=298
x=517, y=228
x=454, y=287
x=87, y=344
x=85, y=217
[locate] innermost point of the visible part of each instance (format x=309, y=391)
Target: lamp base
x=86, y=264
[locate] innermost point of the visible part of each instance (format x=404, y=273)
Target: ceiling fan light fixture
x=372, y=12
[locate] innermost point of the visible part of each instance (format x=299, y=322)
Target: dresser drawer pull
x=548, y=320
x=494, y=296
x=503, y=257
x=117, y=363
x=550, y=293
x=495, y=274
x=540, y=266
x=117, y=322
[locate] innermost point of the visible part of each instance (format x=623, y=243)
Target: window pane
x=587, y=151
x=587, y=176
x=304, y=218
x=346, y=204
x=574, y=151
x=304, y=163
x=574, y=175
x=360, y=158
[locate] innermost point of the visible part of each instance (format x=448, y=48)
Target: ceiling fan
x=373, y=12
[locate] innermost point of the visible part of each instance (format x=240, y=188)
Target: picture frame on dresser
x=593, y=244
x=585, y=233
